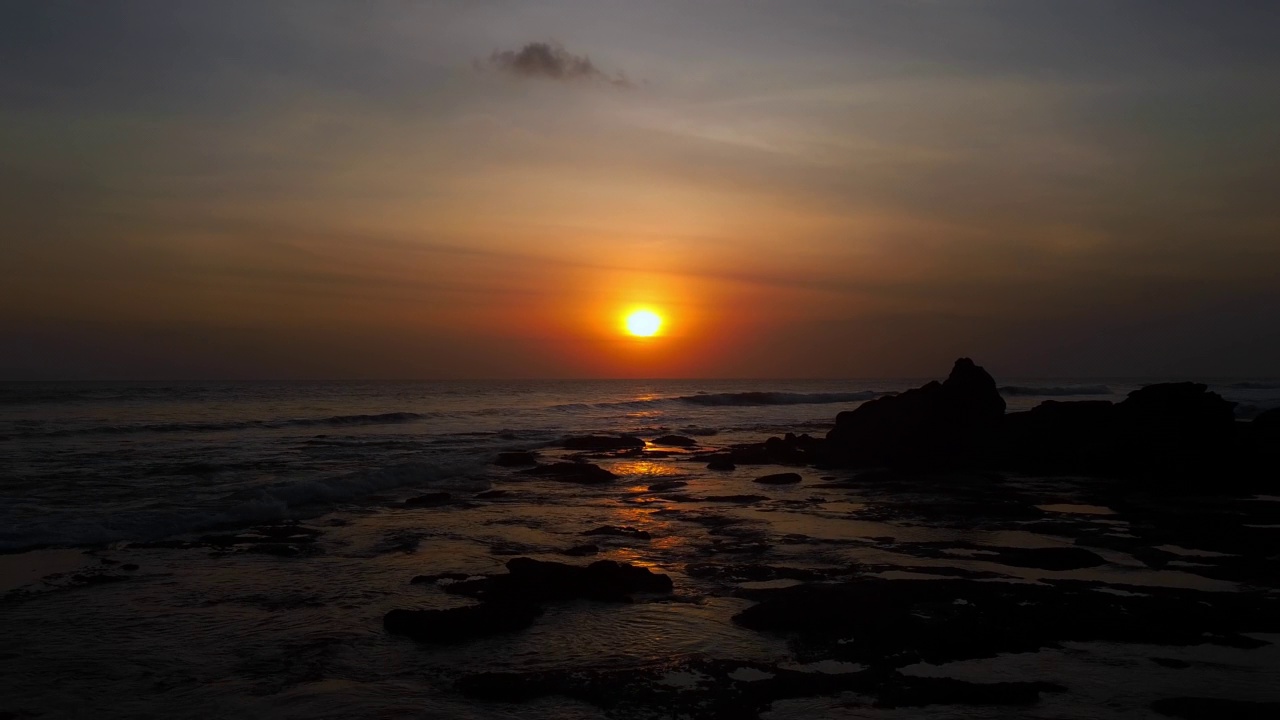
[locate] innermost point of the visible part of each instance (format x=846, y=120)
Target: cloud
x=550, y=60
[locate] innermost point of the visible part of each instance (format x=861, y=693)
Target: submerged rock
x=628, y=532
x=603, y=442
x=675, y=441
x=721, y=463
x=779, y=479
x=577, y=472
x=516, y=459
x=540, y=581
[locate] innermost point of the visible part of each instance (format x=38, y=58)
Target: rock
x=129, y=567
x=731, y=498
x=675, y=441
x=721, y=463
x=516, y=459
x=603, y=442
x=1183, y=404
x=429, y=500
x=584, y=473
x=615, y=531
x=779, y=479
x=900, y=622
x=1267, y=418
x=937, y=424
x=538, y=581
x=582, y=550
x=666, y=485
x=463, y=623
x=1195, y=708
x=491, y=494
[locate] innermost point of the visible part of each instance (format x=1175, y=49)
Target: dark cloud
x=550, y=60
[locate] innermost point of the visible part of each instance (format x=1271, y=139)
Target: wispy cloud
x=549, y=60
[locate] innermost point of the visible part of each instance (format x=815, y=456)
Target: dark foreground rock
x=1174, y=434
x=576, y=472
x=516, y=459
x=893, y=623
x=938, y=424
x=513, y=601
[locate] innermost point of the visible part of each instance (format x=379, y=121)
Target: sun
x=643, y=323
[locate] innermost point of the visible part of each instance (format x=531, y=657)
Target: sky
x=249, y=190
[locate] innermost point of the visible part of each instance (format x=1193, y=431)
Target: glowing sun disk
x=643, y=323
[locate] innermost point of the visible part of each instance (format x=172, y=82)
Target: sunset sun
x=643, y=323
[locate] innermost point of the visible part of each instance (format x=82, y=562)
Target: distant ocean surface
x=92, y=463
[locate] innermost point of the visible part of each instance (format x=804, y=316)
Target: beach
x=265, y=608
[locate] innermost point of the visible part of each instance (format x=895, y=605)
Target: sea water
x=96, y=477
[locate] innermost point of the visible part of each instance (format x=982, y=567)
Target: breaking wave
x=265, y=503
x=223, y=426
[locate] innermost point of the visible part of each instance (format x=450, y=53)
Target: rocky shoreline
x=947, y=443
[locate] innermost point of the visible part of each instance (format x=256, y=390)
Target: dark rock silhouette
x=938, y=424
x=898, y=622
x=516, y=459
x=1267, y=418
x=583, y=473
x=603, y=442
x=614, y=531
x=675, y=441
x=531, y=580
x=513, y=601
x=779, y=479
x=1168, y=431
x=720, y=463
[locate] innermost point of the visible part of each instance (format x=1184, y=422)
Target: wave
x=777, y=398
x=1055, y=391
x=393, y=418
x=250, y=506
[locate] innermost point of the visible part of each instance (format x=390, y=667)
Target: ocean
x=116, y=601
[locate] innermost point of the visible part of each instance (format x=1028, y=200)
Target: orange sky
x=801, y=189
